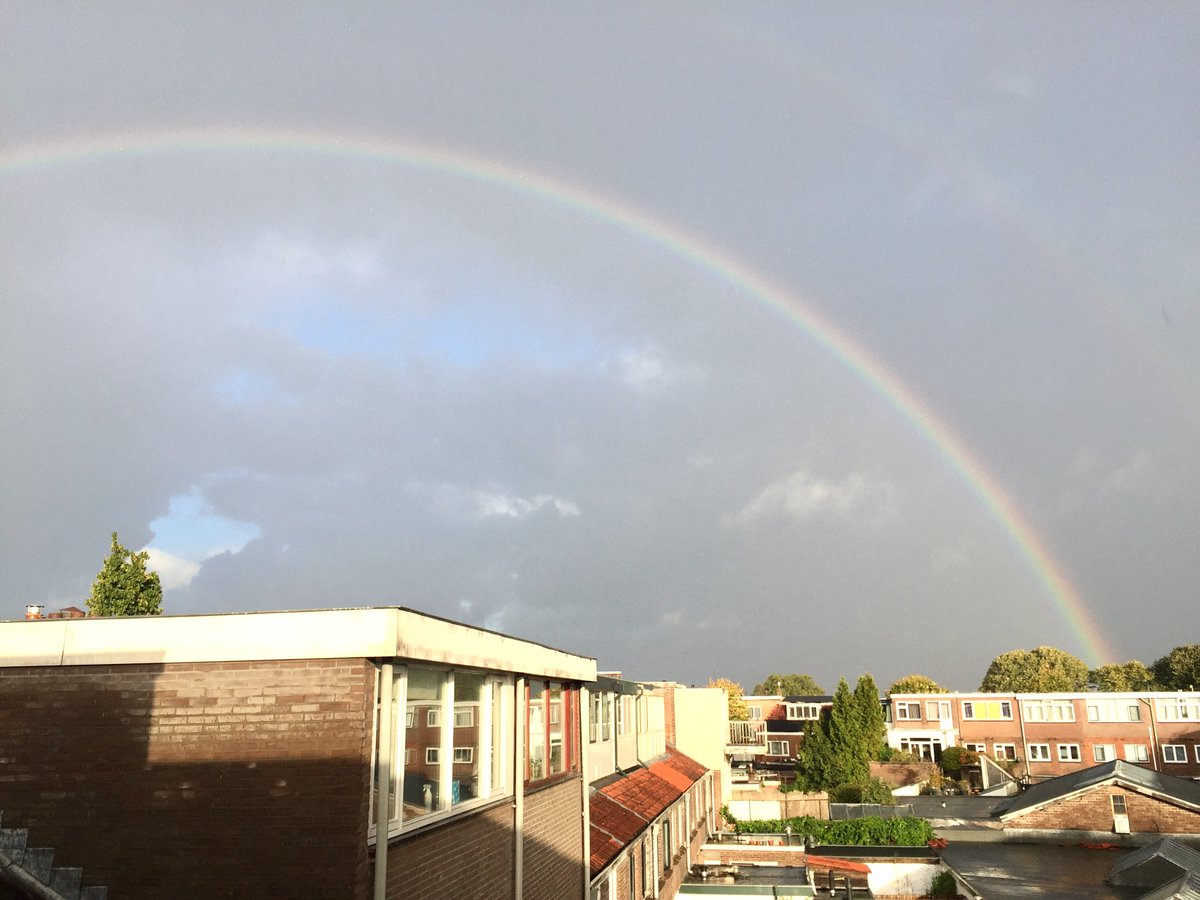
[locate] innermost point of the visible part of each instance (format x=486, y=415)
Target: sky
x=704, y=339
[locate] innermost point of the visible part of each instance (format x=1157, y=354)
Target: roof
x=389, y=632
x=1180, y=791
x=623, y=804
x=1166, y=863
x=1006, y=871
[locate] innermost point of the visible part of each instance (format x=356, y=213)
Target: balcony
x=747, y=737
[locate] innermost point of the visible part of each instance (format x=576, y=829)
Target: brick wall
x=194, y=780
x=465, y=857
x=554, y=862
x=1092, y=811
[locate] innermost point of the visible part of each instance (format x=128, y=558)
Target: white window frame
x=1003, y=707
x=904, y=711
x=469, y=713
x=493, y=718
x=1177, y=753
x=1004, y=751
x=1137, y=753
x=1179, y=709
x=433, y=718
x=773, y=748
x=805, y=712
x=940, y=710
x=1049, y=711
x=464, y=756
x=978, y=748
x=755, y=713
x=1039, y=753
x=1069, y=753
x=1102, y=753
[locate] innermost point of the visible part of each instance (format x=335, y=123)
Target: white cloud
x=499, y=504
x=646, y=370
x=173, y=571
x=281, y=260
x=803, y=495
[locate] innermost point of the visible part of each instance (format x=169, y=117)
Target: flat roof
x=387, y=632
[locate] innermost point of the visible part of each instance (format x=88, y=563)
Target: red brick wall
x=554, y=863
x=194, y=780
x=465, y=857
x=1092, y=811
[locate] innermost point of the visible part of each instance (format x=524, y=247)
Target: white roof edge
x=380, y=632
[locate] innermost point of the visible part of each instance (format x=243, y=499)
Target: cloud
x=645, y=370
x=173, y=571
x=802, y=495
x=507, y=505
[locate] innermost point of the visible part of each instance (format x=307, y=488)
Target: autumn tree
x=1179, y=670
x=123, y=587
x=915, y=684
x=789, y=686
x=738, y=711
x=1130, y=676
x=1041, y=670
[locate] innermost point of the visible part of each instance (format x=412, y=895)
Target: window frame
x=1003, y=709
x=1179, y=750
x=561, y=714
x=776, y=744
x=1103, y=753
x=803, y=712
x=938, y=707
x=907, y=706
x=1074, y=753
x=1039, y=753
x=1004, y=751
x=1141, y=754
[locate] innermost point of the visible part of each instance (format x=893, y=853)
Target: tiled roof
x=621, y=806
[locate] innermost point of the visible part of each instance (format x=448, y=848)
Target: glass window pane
x=468, y=699
x=423, y=735
x=557, y=718
x=499, y=748
x=536, y=743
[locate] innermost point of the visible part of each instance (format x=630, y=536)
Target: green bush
x=955, y=758
x=874, y=790
x=869, y=831
x=943, y=885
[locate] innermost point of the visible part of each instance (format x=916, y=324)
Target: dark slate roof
x=1164, y=860
x=623, y=804
x=1185, y=887
x=1181, y=791
x=1004, y=871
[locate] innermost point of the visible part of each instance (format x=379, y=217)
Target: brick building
x=1048, y=735
x=241, y=755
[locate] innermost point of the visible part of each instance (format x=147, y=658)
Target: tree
x=871, y=722
x=1043, y=669
x=846, y=737
x=738, y=711
x=1179, y=670
x=123, y=587
x=789, y=686
x=915, y=684
x=816, y=764
x=1130, y=676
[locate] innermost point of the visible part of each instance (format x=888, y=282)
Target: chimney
x=34, y=611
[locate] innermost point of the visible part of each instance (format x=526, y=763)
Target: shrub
x=869, y=831
x=943, y=885
x=873, y=790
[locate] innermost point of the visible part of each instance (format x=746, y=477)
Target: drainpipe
x=1024, y=741
x=384, y=759
x=585, y=706
x=522, y=714
x=1153, y=732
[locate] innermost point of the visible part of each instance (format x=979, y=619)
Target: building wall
x=469, y=858
x=701, y=726
x=1092, y=811
x=157, y=778
x=554, y=860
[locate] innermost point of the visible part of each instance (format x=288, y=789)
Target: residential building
x=769, y=741
x=1046, y=735
x=332, y=753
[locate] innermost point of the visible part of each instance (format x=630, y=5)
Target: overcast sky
x=515, y=366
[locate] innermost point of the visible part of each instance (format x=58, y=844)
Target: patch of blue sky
x=243, y=387
x=192, y=531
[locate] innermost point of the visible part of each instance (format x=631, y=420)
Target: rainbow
x=911, y=408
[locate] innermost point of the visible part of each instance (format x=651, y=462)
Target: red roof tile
x=607, y=814
x=604, y=850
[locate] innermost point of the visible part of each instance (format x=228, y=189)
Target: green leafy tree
x=1042, y=669
x=1179, y=670
x=915, y=684
x=853, y=764
x=1130, y=676
x=816, y=764
x=789, y=686
x=123, y=587
x=870, y=717
x=738, y=710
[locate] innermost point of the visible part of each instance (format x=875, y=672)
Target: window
x=1174, y=753
x=478, y=745
x=666, y=833
x=1119, y=807
x=606, y=719
x=1068, y=753
x=922, y=748
x=1104, y=752
x=755, y=713
x=1005, y=751
x=1049, y=711
x=777, y=748
x=594, y=718
x=1120, y=710
x=908, y=710
x=805, y=711
x=978, y=748
x=547, y=739
x=987, y=709
x=1039, y=753
x=936, y=710
x=1137, y=753
x=647, y=865
x=632, y=879
x=1179, y=709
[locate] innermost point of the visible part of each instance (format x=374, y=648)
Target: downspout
x=585, y=707
x=519, y=720
x=1153, y=733
x=1024, y=741
x=384, y=759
